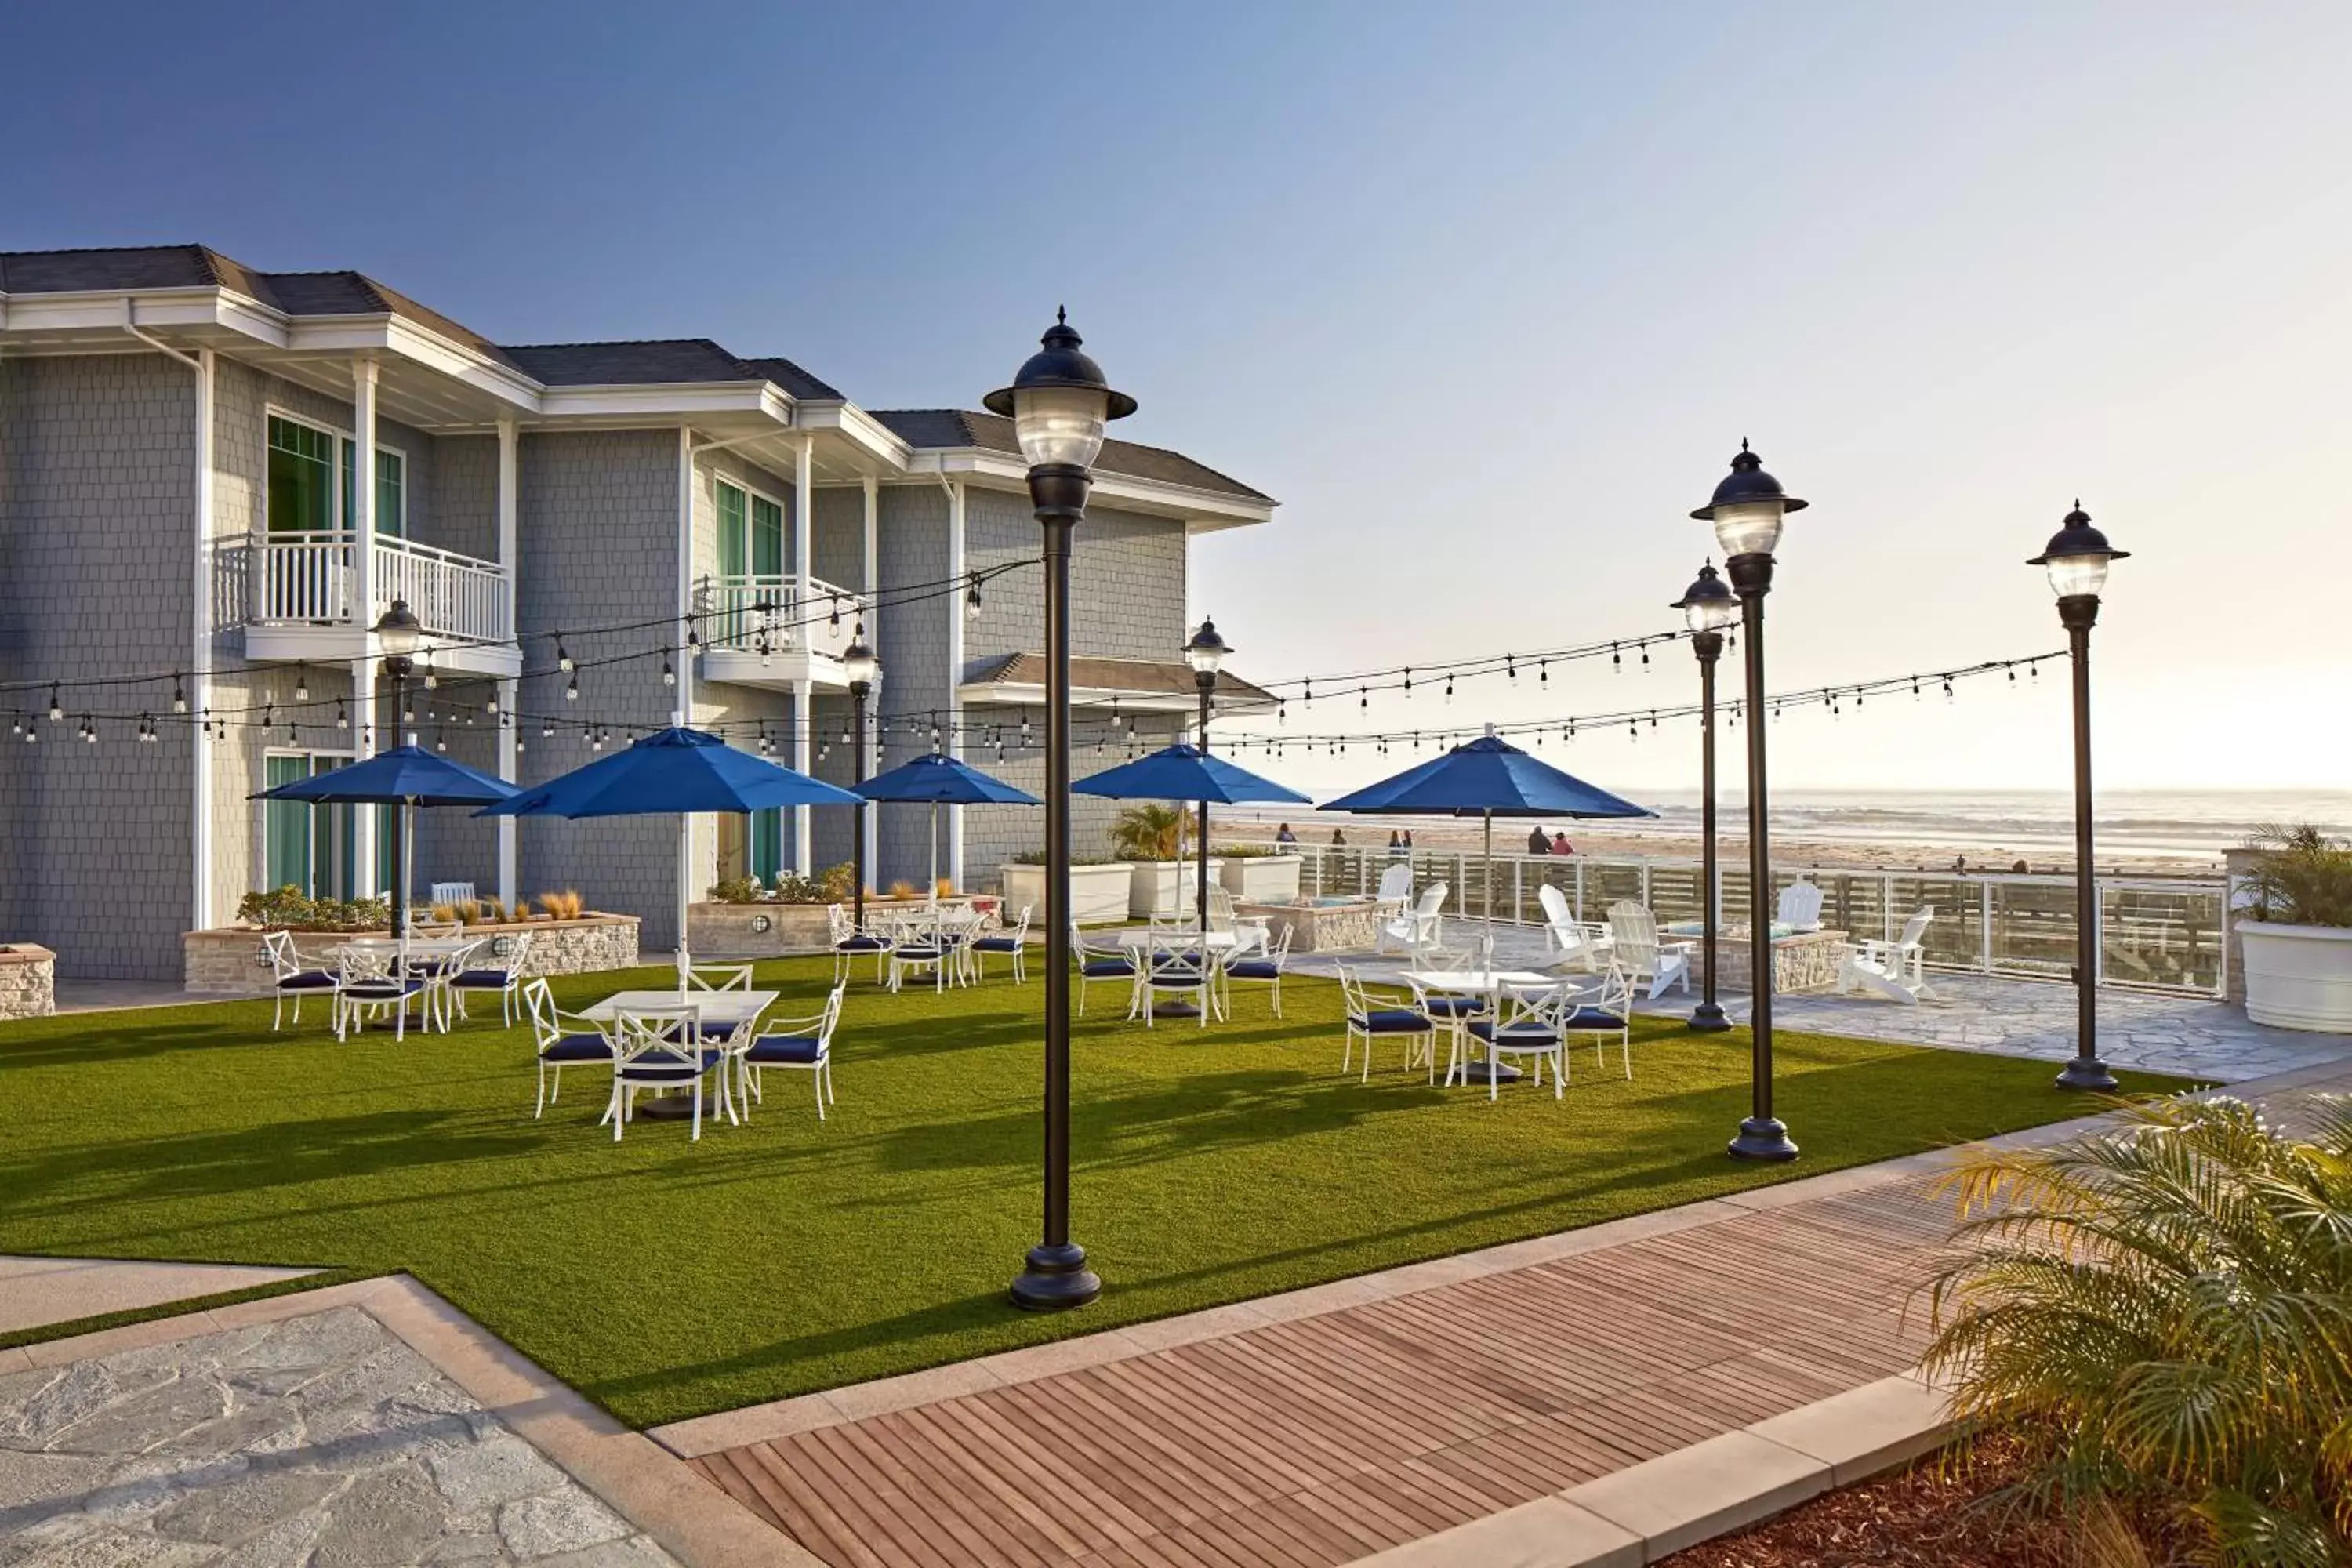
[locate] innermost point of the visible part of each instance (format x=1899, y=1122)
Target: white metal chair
x=1012, y=942
x=368, y=981
x=292, y=979
x=502, y=975
x=562, y=1039
x=1171, y=968
x=1450, y=1011
x=1635, y=949
x=459, y=893
x=803, y=1045
x=658, y=1048
x=1897, y=969
x=703, y=979
x=1418, y=927
x=917, y=948
x=1260, y=963
x=1096, y=961
x=1577, y=943
x=1375, y=1015
x=1602, y=1013
x=849, y=943
x=1800, y=907
x=1529, y=1023
x=1395, y=891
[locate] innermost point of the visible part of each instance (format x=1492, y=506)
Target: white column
x=509, y=691
x=803, y=709
x=361, y=522
x=199, y=685
x=684, y=712
x=510, y=852
x=364, y=715
x=872, y=584
x=955, y=674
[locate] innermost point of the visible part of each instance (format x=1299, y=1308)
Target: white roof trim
x=1202, y=508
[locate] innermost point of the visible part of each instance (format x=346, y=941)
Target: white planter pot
x=1098, y=893
x=2298, y=977
x=1261, y=878
x=1161, y=889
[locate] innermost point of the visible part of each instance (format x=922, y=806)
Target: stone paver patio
x=320, y=1439
x=2189, y=1036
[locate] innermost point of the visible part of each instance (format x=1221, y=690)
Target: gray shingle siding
x=914, y=653
x=97, y=522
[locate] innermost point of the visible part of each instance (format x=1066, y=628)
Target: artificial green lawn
x=666, y=1279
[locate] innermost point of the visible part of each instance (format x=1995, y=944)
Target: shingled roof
x=953, y=428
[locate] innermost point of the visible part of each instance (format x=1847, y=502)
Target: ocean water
x=2188, y=824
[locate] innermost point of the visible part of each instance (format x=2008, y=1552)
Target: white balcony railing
x=765, y=613
x=310, y=580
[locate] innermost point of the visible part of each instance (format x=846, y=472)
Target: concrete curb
x=1655, y=1509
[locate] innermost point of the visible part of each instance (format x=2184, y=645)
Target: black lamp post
x=1747, y=511
x=1204, y=653
x=1707, y=607
x=858, y=663
x=397, y=632
x=1058, y=404
x=2077, y=558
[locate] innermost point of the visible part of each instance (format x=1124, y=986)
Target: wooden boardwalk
x=1322, y=1439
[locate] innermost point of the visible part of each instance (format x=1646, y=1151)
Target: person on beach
x=1559, y=844
x=1397, y=850
x=1283, y=834
x=1408, y=840
x=1340, y=837
x=1538, y=843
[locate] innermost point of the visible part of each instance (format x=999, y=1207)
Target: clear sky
x=1486, y=294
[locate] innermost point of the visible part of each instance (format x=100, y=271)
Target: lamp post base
x=1056, y=1280
x=1709, y=1019
x=1764, y=1139
x=2087, y=1072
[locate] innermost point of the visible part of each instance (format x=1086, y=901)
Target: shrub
x=286, y=909
x=902, y=888
x=944, y=888
x=2163, y=1314
x=739, y=891
x=2300, y=877
x=566, y=905
x=1150, y=830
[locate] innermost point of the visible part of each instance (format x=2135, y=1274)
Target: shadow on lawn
x=83, y=1047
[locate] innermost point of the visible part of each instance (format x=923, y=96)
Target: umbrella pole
x=1489, y=815
x=685, y=891
x=932, y=891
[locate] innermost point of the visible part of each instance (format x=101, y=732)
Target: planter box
x=28, y=981
x=1163, y=889
x=229, y=961
x=2298, y=977
x=1261, y=878
x=1099, y=894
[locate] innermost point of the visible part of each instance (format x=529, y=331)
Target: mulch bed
x=1923, y=1517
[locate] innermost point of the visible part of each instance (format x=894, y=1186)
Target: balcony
x=297, y=595
x=762, y=630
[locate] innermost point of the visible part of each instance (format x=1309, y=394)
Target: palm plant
x=2163, y=1312
x=1150, y=830
x=2299, y=877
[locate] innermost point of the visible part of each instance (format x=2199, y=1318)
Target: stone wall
x=28, y=981
x=229, y=962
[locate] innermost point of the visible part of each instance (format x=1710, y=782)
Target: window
x=305, y=463
x=756, y=550
x=766, y=537
x=751, y=844
x=304, y=847
x=730, y=531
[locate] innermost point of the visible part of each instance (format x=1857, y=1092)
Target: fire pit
x=1319, y=925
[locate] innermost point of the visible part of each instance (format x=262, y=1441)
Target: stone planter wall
x=229, y=961
x=28, y=981
x=1099, y=894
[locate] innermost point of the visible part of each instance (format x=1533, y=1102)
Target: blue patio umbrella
x=406, y=776
x=937, y=781
x=679, y=770
x=1486, y=778
x=1184, y=771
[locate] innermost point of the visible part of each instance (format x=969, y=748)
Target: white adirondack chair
x=1897, y=969
x=1576, y=944
x=1638, y=955
x=1417, y=927
x=1395, y=891
x=1800, y=907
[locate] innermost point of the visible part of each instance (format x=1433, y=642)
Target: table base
x=672, y=1108
x=1490, y=1072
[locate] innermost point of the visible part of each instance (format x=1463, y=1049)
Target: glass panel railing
x=2159, y=935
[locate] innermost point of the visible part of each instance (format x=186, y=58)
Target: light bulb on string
x=669, y=674
x=342, y=718
x=972, y=600
x=562, y=655
x=56, y=713
x=572, y=691
x=179, y=697
x=301, y=684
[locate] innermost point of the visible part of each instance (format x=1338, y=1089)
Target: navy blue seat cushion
x=579, y=1048
x=1595, y=1018
x=998, y=945
x=710, y=1032
x=483, y=979
x=1390, y=1021
x=1180, y=979
x=1109, y=968
x=1456, y=1006
x=1254, y=969
x=1517, y=1033
x=309, y=980
x=383, y=990
x=860, y=944
x=925, y=953
x=796, y=1048
x=669, y=1062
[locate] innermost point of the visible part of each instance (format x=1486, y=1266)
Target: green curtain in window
x=287, y=836
x=767, y=845
x=391, y=482
x=766, y=537
x=302, y=477
x=731, y=563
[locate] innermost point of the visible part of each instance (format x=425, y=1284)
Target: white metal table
x=1490, y=984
